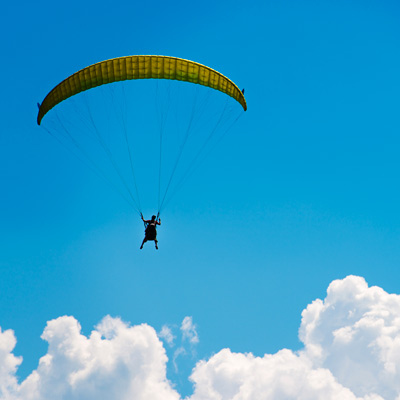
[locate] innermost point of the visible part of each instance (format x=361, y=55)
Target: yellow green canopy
x=139, y=67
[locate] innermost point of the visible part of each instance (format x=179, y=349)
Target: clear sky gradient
x=303, y=190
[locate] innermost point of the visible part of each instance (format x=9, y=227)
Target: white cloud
x=180, y=351
x=8, y=364
x=115, y=362
x=189, y=331
x=189, y=338
x=166, y=334
x=355, y=333
x=281, y=376
x=351, y=352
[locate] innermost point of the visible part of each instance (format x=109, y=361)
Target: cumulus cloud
x=281, y=376
x=115, y=362
x=8, y=364
x=351, y=352
x=355, y=333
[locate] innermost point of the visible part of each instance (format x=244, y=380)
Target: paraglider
x=150, y=232
x=87, y=129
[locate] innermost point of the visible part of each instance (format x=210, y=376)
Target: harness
x=150, y=231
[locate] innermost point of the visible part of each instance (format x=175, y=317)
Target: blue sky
x=303, y=190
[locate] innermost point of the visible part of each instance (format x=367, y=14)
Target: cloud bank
x=351, y=352
x=115, y=362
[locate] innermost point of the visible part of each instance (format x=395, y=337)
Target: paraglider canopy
x=139, y=67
